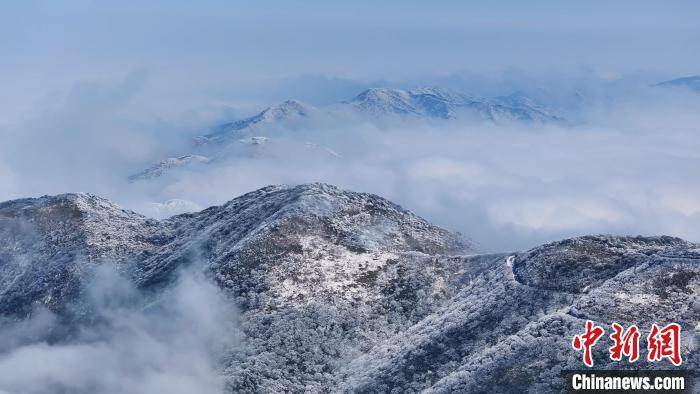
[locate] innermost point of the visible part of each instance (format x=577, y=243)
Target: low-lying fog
x=626, y=164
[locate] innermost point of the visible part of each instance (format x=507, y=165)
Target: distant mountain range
x=248, y=136
x=371, y=105
x=382, y=102
x=346, y=292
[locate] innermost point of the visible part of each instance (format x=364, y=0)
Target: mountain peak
x=382, y=101
x=517, y=98
x=285, y=110
x=289, y=110
x=385, y=224
x=425, y=101
x=441, y=93
x=380, y=92
x=80, y=202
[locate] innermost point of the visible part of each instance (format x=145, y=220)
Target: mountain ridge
x=339, y=291
x=248, y=135
x=431, y=102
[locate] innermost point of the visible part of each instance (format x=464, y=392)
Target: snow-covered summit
x=286, y=110
x=382, y=101
x=289, y=110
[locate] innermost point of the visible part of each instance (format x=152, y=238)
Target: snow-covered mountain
x=445, y=104
x=246, y=137
x=691, y=83
x=340, y=291
x=379, y=102
x=245, y=128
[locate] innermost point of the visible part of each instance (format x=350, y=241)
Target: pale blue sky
x=47, y=44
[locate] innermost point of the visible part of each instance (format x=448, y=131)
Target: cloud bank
x=168, y=345
x=625, y=164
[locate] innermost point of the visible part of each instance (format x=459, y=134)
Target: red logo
x=586, y=341
x=665, y=343
x=626, y=343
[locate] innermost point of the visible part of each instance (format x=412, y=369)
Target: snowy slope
x=285, y=112
x=249, y=136
x=444, y=104
x=163, y=167
x=347, y=292
x=48, y=245
x=509, y=328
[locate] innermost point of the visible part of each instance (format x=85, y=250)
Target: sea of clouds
x=626, y=162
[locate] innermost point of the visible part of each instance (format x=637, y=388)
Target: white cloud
x=627, y=167
x=169, y=346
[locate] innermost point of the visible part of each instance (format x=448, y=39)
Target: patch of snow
x=163, y=167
